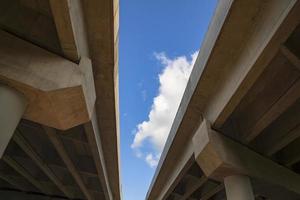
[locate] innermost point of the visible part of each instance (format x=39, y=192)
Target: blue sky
x=159, y=40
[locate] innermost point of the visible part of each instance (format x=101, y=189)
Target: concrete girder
x=219, y=157
x=69, y=21
x=60, y=93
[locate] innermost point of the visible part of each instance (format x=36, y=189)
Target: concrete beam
x=28, y=149
x=59, y=146
x=32, y=21
x=212, y=192
x=291, y=154
x=255, y=32
x=92, y=132
x=219, y=157
x=102, y=19
x=56, y=89
x=12, y=107
x=295, y=60
x=178, y=170
x=11, y=180
x=14, y=195
x=284, y=102
x=192, y=187
x=22, y=171
x=69, y=21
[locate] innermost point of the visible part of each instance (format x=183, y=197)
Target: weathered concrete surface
x=61, y=94
x=102, y=18
x=219, y=157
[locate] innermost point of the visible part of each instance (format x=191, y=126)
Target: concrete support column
x=12, y=107
x=238, y=187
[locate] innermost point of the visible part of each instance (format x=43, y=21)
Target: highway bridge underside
x=59, y=99
x=266, y=121
x=236, y=134
x=32, y=164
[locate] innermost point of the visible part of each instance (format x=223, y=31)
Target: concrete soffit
x=84, y=79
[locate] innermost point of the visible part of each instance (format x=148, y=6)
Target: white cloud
x=151, y=160
x=155, y=130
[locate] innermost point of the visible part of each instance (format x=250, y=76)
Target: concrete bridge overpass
x=59, y=128
x=236, y=134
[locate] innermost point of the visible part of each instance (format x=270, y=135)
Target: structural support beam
x=290, y=56
x=93, y=136
x=102, y=19
x=18, y=168
x=212, y=192
x=11, y=180
x=64, y=27
x=278, y=19
x=59, y=87
x=184, y=162
x=290, y=155
x=58, y=145
x=191, y=188
x=283, y=141
x=26, y=147
x=85, y=173
x=69, y=22
x=238, y=187
x=12, y=107
x=285, y=101
x=219, y=157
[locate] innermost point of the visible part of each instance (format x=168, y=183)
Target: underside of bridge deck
x=59, y=99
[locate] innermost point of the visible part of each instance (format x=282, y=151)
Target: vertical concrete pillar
x=12, y=107
x=238, y=187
